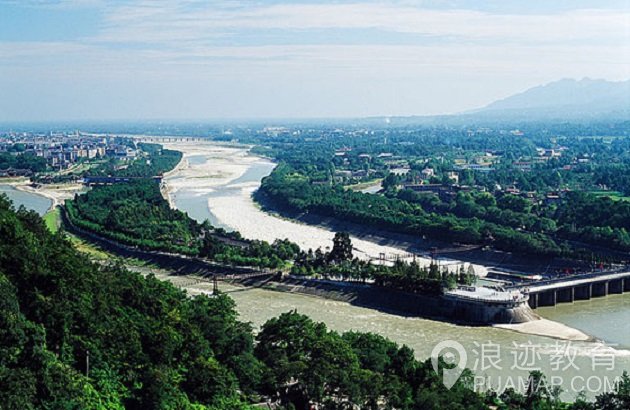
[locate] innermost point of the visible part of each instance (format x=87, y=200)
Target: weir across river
x=582, y=287
x=163, y=139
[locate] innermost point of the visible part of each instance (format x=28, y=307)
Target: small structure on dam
x=487, y=305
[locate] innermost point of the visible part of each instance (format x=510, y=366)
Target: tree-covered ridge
x=148, y=343
x=150, y=346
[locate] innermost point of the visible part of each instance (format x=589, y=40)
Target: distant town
x=59, y=151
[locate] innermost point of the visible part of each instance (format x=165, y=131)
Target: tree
x=305, y=360
x=617, y=400
x=391, y=181
x=208, y=381
x=342, y=248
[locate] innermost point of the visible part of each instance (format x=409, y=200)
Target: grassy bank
x=52, y=219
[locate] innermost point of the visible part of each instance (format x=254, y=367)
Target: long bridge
x=582, y=287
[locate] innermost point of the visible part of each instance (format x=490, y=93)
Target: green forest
x=80, y=335
x=136, y=214
x=23, y=161
x=288, y=188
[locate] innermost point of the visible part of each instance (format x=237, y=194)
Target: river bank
x=56, y=193
x=227, y=177
x=38, y=203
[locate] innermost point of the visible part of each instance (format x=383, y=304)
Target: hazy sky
x=190, y=59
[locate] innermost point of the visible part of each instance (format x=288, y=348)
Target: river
x=605, y=318
x=216, y=183
x=37, y=203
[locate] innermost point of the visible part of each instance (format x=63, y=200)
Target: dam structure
x=582, y=287
x=478, y=304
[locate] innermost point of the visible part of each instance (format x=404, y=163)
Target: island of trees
x=135, y=213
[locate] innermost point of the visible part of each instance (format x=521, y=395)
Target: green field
x=364, y=185
x=614, y=195
x=52, y=219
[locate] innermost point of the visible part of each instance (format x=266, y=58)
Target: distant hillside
x=567, y=98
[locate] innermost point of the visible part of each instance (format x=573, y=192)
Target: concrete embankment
x=402, y=303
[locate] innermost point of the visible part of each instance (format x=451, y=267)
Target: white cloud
x=156, y=55
x=54, y=4
x=177, y=21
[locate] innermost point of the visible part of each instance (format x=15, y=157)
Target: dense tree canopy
x=22, y=161
x=288, y=189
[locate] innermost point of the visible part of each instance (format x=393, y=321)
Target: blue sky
x=191, y=59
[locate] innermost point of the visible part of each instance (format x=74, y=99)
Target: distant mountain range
x=567, y=100
x=564, y=99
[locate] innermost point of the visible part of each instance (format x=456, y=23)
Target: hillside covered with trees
x=80, y=335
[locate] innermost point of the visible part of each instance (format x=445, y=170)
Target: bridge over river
x=582, y=287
